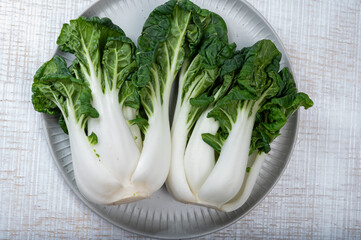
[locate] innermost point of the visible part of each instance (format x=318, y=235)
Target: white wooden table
x=319, y=195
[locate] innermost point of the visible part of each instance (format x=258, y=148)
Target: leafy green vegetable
x=251, y=107
x=170, y=36
x=96, y=98
x=198, y=79
x=113, y=101
x=56, y=91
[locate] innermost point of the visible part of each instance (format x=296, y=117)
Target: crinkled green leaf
x=201, y=101
x=55, y=91
x=83, y=33
x=273, y=115
x=253, y=76
x=129, y=96
x=118, y=61
x=87, y=39
x=170, y=35
x=256, y=83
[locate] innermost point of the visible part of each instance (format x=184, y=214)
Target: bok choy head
x=199, y=80
x=170, y=37
x=96, y=98
x=245, y=118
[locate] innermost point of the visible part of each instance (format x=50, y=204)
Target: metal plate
x=161, y=216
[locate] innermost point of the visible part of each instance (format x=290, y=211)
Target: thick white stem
x=248, y=184
x=154, y=161
x=97, y=182
x=199, y=159
x=176, y=182
x=226, y=178
x=116, y=145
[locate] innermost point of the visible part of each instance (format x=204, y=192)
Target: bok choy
x=95, y=98
x=244, y=121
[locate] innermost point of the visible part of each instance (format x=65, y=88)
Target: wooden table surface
x=319, y=195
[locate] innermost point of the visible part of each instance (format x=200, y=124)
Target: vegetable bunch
x=113, y=101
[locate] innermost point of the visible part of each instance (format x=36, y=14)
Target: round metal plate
x=161, y=216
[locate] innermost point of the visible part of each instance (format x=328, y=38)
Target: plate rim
x=296, y=115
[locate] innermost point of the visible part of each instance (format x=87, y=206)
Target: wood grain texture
x=319, y=195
